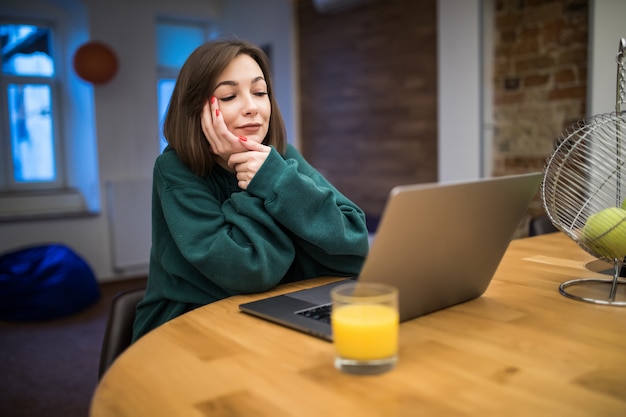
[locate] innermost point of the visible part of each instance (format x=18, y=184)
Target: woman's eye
x=234, y=96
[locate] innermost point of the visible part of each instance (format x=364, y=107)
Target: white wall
x=242, y=18
x=459, y=89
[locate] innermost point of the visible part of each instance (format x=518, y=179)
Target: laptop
x=439, y=244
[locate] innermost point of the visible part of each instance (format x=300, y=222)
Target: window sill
x=42, y=205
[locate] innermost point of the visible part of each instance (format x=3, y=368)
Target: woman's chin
x=254, y=138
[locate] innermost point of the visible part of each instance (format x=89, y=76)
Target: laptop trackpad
x=316, y=295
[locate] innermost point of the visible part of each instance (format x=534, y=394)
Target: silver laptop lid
x=441, y=243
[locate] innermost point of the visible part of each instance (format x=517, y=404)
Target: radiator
x=129, y=208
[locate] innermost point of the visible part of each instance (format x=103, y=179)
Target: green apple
x=605, y=233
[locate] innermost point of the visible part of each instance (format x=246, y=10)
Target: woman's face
x=243, y=99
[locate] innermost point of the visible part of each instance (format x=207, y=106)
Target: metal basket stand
x=596, y=290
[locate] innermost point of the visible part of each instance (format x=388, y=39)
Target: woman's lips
x=251, y=128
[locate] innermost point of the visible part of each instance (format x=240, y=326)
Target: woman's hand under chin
x=247, y=163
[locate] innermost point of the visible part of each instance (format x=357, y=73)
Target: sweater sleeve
x=326, y=226
x=229, y=244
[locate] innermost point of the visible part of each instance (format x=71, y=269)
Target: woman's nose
x=249, y=105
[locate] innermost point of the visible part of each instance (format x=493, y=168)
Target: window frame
x=8, y=183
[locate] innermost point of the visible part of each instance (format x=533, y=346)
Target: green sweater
x=211, y=240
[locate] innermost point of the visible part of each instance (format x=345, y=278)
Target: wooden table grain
x=521, y=349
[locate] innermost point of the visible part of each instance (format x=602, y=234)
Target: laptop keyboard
x=319, y=313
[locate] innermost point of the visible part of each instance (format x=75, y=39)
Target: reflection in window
x=26, y=50
x=175, y=41
x=31, y=132
x=165, y=89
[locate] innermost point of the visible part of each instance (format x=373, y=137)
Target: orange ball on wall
x=95, y=62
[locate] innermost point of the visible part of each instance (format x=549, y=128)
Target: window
x=175, y=41
x=29, y=143
x=47, y=168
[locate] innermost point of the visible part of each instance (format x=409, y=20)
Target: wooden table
x=521, y=349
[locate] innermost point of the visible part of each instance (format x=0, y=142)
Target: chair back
x=541, y=225
x=119, y=329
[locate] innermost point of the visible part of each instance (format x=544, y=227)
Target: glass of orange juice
x=365, y=323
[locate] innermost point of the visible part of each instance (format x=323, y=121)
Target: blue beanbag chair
x=45, y=282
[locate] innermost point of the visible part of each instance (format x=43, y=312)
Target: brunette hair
x=195, y=85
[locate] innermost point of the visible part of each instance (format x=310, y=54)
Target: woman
x=235, y=209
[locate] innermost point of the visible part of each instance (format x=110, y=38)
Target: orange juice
x=365, y=331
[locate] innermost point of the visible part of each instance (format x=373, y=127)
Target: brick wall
x=540, y=80
x=369, y=91
x=368, y=94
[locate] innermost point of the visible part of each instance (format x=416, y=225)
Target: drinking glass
x=365, y=323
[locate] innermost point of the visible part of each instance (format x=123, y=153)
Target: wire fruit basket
x=583, y=193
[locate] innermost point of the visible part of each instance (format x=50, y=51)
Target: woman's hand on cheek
x=223, y=142
x=247, y=163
